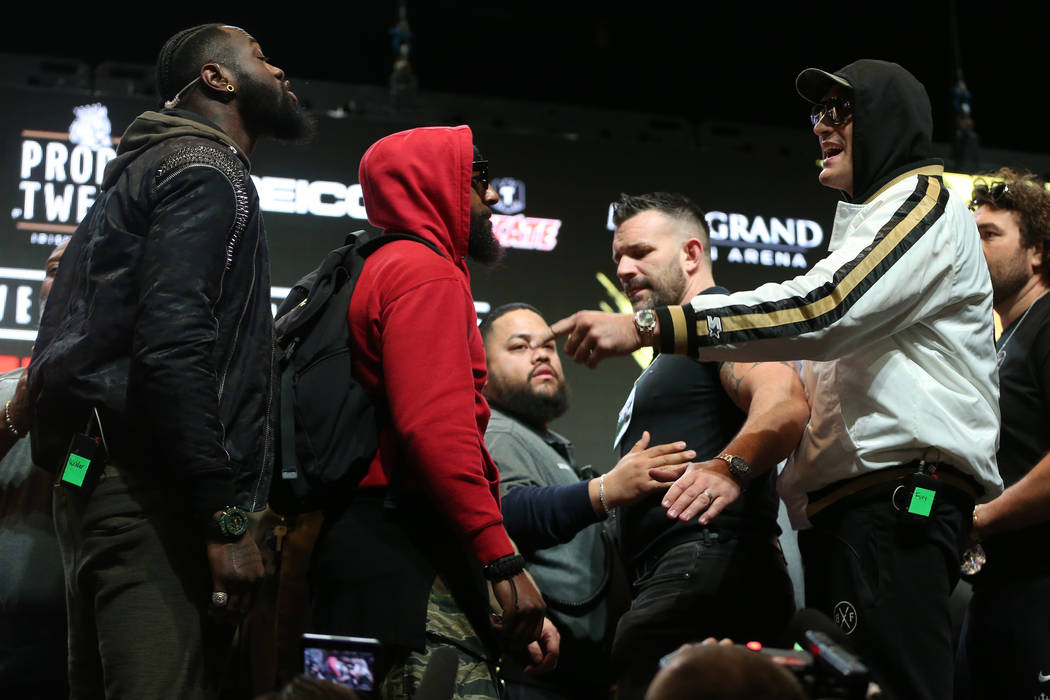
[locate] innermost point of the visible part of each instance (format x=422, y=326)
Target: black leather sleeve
x=173, y=376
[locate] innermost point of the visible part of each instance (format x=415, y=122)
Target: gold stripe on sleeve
x=855, y=276
x=681, y=333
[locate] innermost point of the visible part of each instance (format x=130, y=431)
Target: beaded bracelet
x=9, y=422
x=601, y=496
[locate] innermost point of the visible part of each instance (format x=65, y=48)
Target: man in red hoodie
x=406, y=560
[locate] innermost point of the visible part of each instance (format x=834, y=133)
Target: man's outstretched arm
x=843, y=302
x=538, y=516
x=592, y=336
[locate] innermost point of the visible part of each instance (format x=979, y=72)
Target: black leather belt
x=707, y=534
x=833, y=493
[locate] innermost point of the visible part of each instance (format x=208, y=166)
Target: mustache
x=547, y=366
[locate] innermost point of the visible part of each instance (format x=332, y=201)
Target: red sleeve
x=428, y=372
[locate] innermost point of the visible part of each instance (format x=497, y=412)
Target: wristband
x=601, y=496
x=505, y=567
x=10, y=423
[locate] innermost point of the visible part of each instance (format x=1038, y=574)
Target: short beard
x=534, y=408
x=483, y=246
x=1008, y=287
x=665, y=290
x=284, y=120
x=1010, y=274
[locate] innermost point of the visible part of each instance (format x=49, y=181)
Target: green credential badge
x=76, y=469
x=79, y=469
x=921, y=502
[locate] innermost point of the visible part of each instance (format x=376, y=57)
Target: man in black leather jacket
x=156, y=345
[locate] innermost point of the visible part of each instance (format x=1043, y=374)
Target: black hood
x=150, y=128
x=892, y=122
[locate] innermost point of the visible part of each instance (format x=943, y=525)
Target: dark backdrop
x=759, y=197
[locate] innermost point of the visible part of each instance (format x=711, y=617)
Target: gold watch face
x=738, y=466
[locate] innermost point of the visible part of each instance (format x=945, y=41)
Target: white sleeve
x=894, y=268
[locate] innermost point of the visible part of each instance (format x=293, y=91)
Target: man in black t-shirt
x=1006, y=644
x=704, y=557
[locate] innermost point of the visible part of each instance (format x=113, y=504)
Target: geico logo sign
x=317, y=197
x=511, y=194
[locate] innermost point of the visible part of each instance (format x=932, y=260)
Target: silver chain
x=1000, y=354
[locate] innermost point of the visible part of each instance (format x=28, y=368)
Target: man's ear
x=213, y=76
x=692, y=254
x=1036, y=259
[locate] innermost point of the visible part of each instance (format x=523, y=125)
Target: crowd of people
x=150, y=398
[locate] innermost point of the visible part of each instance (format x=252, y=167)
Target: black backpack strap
x=289, y=461
x=372, y=245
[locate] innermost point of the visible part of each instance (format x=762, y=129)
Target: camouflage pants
x=447, y=626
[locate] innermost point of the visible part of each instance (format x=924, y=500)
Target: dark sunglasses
x=994, y=193
x=481, y=167
x=834, y=111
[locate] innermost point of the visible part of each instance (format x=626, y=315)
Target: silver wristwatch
x=645, y=324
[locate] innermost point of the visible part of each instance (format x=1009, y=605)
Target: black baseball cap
x=814, y=83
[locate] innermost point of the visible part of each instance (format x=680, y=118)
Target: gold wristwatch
x=739, y=469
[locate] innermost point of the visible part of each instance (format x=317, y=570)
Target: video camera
x=819, y=658
x=824, y=668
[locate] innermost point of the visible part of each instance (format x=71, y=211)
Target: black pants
x=886, y=581
x=706, y=587
x=137, y=593
x=373, y=570
x=1005, y=647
